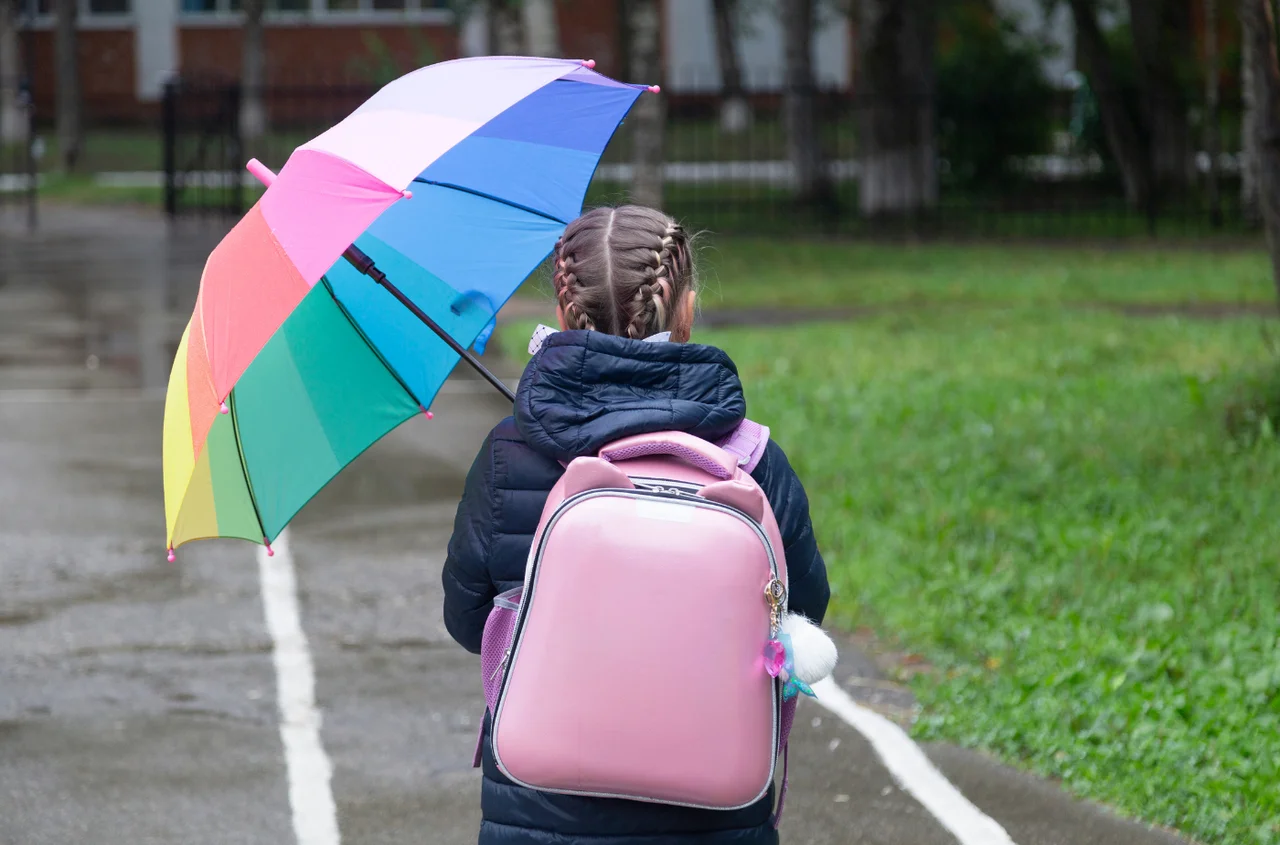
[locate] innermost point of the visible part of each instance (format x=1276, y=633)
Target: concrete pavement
x=138, y=697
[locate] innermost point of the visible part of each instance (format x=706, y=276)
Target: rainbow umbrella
x=336, y=307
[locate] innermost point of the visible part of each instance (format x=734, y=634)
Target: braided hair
x=623, y=271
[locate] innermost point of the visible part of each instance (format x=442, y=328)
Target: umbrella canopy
x=455, y=181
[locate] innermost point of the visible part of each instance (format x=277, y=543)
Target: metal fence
x=203, y=157
x=204, y=153
x=740, y=178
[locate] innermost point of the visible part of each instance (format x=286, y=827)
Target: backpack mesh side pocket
x=499, y=629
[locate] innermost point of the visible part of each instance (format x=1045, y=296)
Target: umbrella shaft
x=365, y=265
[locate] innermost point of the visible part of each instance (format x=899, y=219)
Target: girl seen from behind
x=622, y=364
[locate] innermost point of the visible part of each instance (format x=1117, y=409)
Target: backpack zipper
x=775, y=593
x=667, y=486
x=506, y=655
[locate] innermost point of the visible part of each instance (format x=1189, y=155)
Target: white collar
x=541, y=333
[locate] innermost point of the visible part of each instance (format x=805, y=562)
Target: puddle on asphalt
x=100, y=308
x=92, y=302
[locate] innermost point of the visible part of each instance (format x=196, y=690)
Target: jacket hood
x=584, y=389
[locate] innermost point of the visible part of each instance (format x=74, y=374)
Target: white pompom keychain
x=801, y=655
x=815, y=652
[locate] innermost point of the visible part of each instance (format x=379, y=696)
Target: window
x=42, y=10
x=390, y=6
x=441, y=10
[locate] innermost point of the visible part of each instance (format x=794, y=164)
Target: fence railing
x=203, y=161
x=737, y=176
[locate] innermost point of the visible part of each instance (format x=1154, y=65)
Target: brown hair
x=623, y=271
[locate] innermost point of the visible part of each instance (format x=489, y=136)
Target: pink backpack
x=631, y=663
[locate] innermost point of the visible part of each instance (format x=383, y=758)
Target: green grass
x=760, y=273
x=141, y=149
x=1048, y=507
x=1046, y=502
x=82, y=190
x=743, y=272
x=113, y=150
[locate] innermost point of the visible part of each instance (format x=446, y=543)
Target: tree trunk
x=1258, y=29
x=649, y=114
x=804, y=141
x=1212, y=135
x=895, y=56
x=1162, y=38
x=1122, y=135
x=253, y=111
x=506, y=28
x=13, y=116
x=1248, y=138
x=70, y=130
x=735, y=111
x=541, y=32
x=473, y=28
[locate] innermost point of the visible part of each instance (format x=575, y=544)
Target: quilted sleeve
x=468, y=588
x=806, y=570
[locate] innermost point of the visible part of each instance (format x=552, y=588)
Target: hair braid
x=648, y=309
x=623, y=270
x=566, y=282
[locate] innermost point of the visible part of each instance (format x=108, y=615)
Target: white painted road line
x=315, y=817
x=913, y=771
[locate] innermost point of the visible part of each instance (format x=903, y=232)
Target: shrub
x=993, y=100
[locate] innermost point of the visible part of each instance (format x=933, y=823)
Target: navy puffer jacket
x=582, y=390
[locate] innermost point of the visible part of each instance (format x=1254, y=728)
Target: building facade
x=128, y=48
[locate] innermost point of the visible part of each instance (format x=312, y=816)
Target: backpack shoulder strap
x=746, y=443
x=788, y=719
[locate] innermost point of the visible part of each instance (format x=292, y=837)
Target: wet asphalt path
x=138, y=697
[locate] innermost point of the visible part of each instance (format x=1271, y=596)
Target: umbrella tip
x=589, y=63
x=655, y=89
x=430, y=415
x=171, y=555
x=270, y=551
x=261, y=172
x=224, y=408
x=407, y=194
